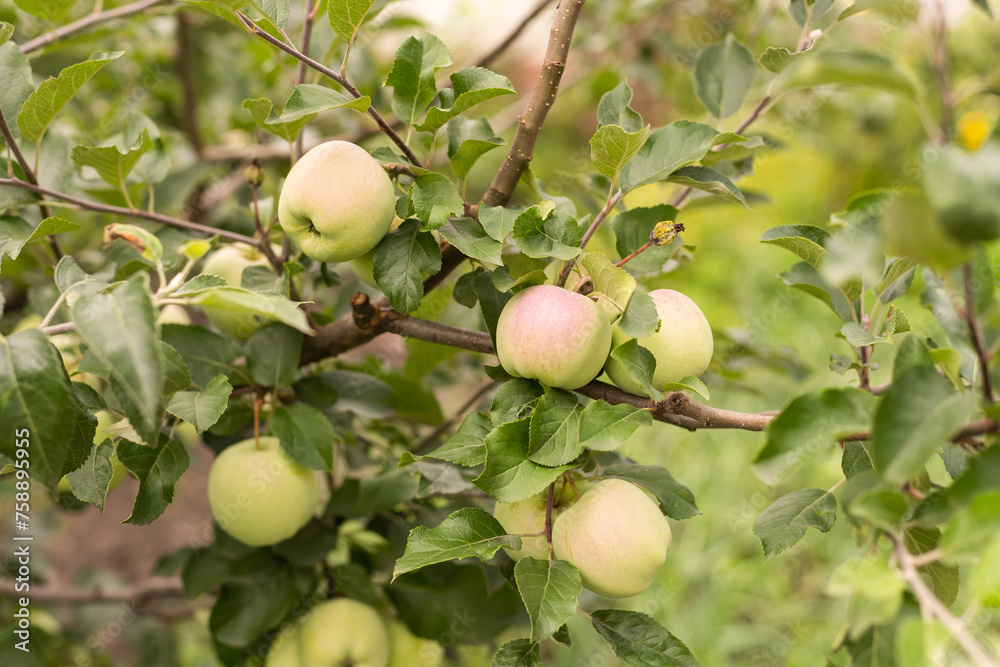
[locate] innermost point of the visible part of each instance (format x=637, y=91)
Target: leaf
x=786, y=520
x=112, y=165
x=472, y=240
x=676, y=500
x=412, y=75
x=708, y=180
x=305, y=434
x=640, y=318
x=639, y=640
x=346, y=16
x=470, y=86
x=309, y=99
x=613, y=109
x=942, y=578
x=554, y=429
x=604, y=427
x=257, y=601
x=518, y=653
x=688, y=384
x=817, y=419
x=276, y=10
x=119, y=328
x=973, y=526
x=273, y=355
x=898, y=276
x=632, y=230
x=667, y=150
x=205, y=352
x=806, y=241
x=6, y=31
x=508, y=475
x=91, y=481
x=491, y=301
x=466, y=533
x=260, y=306
x=433, y=199
x=497, y=220
x=800, y=10
x=400, y=260
x=612, y=147
x=549, y=589
x=202, y=409
x=15, y=233
x=723, y=74
x=158, y=469
x=262, y=111
x=613, y=282
x=514, y=400
x=858, y=337
x=777, y=58
x=851, y=68
x=15, y=72
x=919, y=412
x=52, y=94
x=466, y=447
x=807, y=279
x=36, y=395
x=557, y=235
x=469, y=140
x=638, y=364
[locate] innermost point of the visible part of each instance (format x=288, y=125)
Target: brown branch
x=86, y=22
x=134, y=593
x=307, y=29
x=971, y=430
x=969, y=314
x=549, y=502
x=30, y=175
x=539, y=104
x=336, y=77
x=128, y=213
x=189, y=92
x=598, y=219
x=499, y=49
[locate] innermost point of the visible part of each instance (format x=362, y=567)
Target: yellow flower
x=973, y=129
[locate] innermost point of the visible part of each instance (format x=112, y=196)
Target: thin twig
x=86, y=22
x=633, y=255
x=499, y=49
x=446, y=425
x=972, y=429
x=969, y=314
x=591, y=230
x=32, y=178
x=134, y=593
x=185, y=71
x=126, y=213
x=931, y=605
x=550, y=500
x=334, y=76
x=307, y=29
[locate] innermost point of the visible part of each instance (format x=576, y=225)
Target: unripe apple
x=553, y=335
x=682, y=347
x=285, y=650
x=525, y=517
x=173, y=314
x=337, y=202
x=364, y=266
x=408, y=650
x=228, y=262
x=615, y=535
x=258, y=494
x=118, y=469
x=344, y=632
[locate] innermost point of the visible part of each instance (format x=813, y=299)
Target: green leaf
x=6, y=31
x=158, y=469
x=604, y=427
x=433, y=199
x=855, y=459
x=497, y=221
x=817, y=419
x=144, y=242
x=973, y=526
x=36, y=395
x=466, y=447
x=898, y=276
x=49, y=11
x=777, y=58
x=638, y=364
x=883, y=508
x=806, y=241
x=554, y=430
x=276, y=10
x=632, y=229
x=612, y=147
x=667, y=150
x=491, y=301
x=15, y=233
x=557, y=235
x=346, y=16
x=613, y=282
x=258, y=306
x=257, y=601
x=858, y=337
x=518, y=653
x=549, y=589
x=205, y=352
x=800, y=10
x=91, y=481
x=876, y=590
x=470, y=86
x=466, y=533
x=469, y=140
x=639, y=640
x=787, y=519
x=119, y=328
x=202, y=408
x=942, y=578
x=640, y=318
x=400, y=260
x=412, y=75
x=15, y=72
x=723, y=74
x=807, y=279
x=676, y=500
x=309, y=99
x=613, y=109
x=111, y=164
x=305, y=434
x=688, y=384
x=508, y=475
x=919, y=412
x=262, y=111
x=273, y=355
x=514, y=400
x=472, y=240
x=52, y=94
x=850, y=68
x=708, y=180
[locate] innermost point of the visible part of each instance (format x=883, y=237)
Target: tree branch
x=598, y=219
x=86, y=22
x=931, y=605
x=30, y=175
x=133, y=594
x=185, y=72
x=446, y=425
x=307, y=29
x=127, y=213
x=336, y=77
x=972, y=429
x=969, y=315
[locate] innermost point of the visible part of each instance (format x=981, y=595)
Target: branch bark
x=132, y=594
x=87, y=22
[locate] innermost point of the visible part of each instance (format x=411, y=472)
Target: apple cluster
x=346, y=632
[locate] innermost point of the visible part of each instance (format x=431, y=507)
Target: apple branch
x=133, y=594
x=307, y=30
x=128, y=213
x=336, y=77
x=88, y=21
x=969, y=315
x=608, y=206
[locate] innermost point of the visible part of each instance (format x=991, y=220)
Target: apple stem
x=640, y=250
x=548, y=518
x=256, y=423
x=572, y=484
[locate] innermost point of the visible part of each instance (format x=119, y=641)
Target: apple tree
x=411, y=313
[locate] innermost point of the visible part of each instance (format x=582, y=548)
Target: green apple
x=258, y=494
x=550, y=334
x=343, y=632
x=408, y=650
x=615, y=535
x=682, y=347
x=228, y=262
x=522, y=518
x=285, y=650
x=337, y=202
x=173, y=314
x=118, y=469
x=364, y=266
